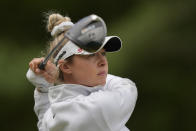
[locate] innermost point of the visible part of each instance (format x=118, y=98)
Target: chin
x=99, y=81
x=102, y=82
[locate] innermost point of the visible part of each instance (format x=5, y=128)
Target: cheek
x=84, y=71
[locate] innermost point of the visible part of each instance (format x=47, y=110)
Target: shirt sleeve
x=104, y=110
x=38, y=81
x=42, y=103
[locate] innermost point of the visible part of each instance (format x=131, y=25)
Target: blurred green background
x=158, y=54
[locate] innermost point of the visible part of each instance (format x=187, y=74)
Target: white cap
x=110, y=44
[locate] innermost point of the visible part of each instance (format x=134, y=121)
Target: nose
x=102, y=61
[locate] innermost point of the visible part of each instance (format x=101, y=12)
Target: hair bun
x=56, y=19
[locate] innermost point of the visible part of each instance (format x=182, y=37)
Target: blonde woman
x=77, y=93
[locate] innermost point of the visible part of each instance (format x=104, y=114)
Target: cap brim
x=112, y=43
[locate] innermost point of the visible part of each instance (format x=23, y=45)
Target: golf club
x=88, y=33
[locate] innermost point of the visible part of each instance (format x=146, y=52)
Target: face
x=89, y=70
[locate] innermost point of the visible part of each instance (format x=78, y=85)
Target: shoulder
x=112, y=80
x=126, y=87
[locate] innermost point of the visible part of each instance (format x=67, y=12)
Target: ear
x=64, y=66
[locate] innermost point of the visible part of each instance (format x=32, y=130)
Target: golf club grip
x=42, y=65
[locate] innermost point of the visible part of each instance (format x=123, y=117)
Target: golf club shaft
x=43, y=64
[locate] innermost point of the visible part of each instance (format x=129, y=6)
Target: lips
x=102, y=73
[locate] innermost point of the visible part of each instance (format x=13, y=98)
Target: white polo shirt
x=72, y=107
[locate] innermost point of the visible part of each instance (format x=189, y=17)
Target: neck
x=68, y=79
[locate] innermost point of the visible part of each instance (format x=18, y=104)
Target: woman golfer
x=75, y=92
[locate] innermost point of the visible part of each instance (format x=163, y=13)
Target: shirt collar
x=67, y=91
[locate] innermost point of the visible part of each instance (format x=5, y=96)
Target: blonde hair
x=55, y=19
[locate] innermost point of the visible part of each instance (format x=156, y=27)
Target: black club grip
x=42, y=65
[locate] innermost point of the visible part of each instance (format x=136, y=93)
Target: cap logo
x=80, y=50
